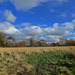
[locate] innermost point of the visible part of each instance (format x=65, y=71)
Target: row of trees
x=11, y=42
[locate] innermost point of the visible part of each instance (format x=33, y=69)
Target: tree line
x=31, y=42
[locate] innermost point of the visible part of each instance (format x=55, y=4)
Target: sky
x=43, y=19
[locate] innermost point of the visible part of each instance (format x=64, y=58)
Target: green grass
x=49, y=63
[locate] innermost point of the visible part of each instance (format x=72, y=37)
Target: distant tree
x=44, y=43
x=10, y=41
x=32, y=42
x=62, y=41
x=2, y=39
x=20, y=44
x=54, y=44
x=10, y=38
x=39, y=44
x=66, y=42
x=70, y=42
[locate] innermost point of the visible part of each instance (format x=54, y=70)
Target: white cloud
x=56, y=25
x=51, y=33
x=26, y=24
x=31, y=31
x=51, y=38
x=70, y=24
x=63, y=29
x=8, y=28
x=56, y=29
x=9, y=16
x=28, y=4
x=11, y=30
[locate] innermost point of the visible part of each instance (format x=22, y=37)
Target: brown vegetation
x=29, y=50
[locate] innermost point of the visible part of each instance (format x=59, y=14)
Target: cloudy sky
x=43, y=19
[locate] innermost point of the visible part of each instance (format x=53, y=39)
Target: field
x=37, y=61
x=29, y=50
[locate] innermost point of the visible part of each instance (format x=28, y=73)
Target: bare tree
x=62, y=41
x=11, y=41
x=30, y=42
x=44, y=43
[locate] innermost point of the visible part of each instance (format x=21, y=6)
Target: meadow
x=37, y=61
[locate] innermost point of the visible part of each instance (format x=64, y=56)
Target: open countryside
x=37, y=37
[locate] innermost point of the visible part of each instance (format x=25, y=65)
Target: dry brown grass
x=29, y=50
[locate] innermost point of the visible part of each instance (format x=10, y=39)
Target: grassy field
x=37, y=61
x=29, y=50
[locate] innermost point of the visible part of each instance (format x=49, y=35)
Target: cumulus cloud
x=28, y=4
x=8, y=28
x=9, y=16
x=51, y=34
x=31, y=31
x=69, y=24
x=58, y=29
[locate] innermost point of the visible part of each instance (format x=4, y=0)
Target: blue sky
x=43, y=19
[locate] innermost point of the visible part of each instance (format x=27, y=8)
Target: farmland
x=37, y=61
x=29, y=50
